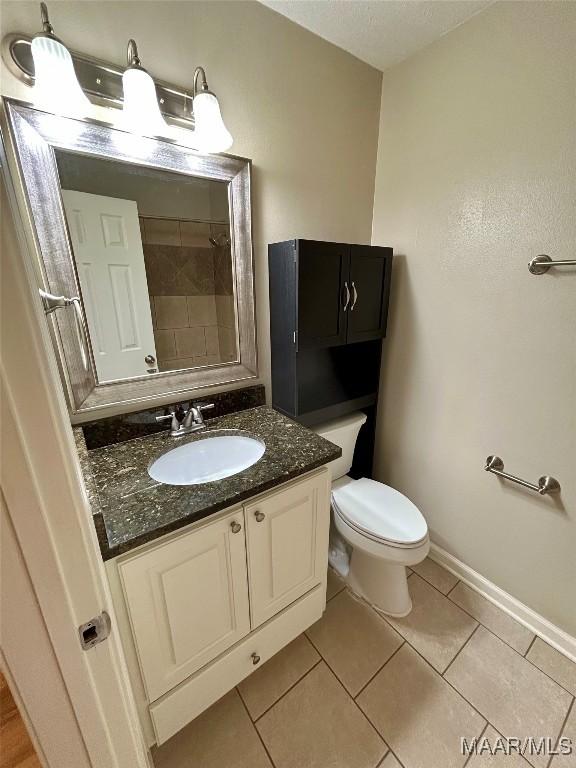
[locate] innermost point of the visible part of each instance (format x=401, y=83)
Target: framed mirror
x=154, y=240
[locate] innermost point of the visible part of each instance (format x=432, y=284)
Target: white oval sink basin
x=207, y=460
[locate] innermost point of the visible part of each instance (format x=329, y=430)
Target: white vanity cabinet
x=286, y=546
x=200, y=610
x=188, y=601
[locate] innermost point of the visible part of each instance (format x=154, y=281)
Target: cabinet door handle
x=355, y=299
x=236, y=527
x=259, y=516
x=255, y=658
x=347, y=291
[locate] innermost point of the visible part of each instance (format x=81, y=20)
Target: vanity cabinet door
x=287, y=540
x=187, y=601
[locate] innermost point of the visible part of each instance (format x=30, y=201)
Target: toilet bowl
x=385, y=530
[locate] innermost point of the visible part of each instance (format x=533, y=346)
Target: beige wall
x=304, y=111
x=476, y=174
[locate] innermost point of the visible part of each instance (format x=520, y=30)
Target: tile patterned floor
x=358, y=690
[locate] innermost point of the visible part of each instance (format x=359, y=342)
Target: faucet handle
x=170, y=415
x=204, y=406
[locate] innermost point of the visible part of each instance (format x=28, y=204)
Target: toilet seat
x=378, y=512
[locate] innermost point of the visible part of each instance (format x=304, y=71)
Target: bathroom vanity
x=211, y=580
x=146, y=278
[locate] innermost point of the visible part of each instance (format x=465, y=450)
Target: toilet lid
x=380, y=511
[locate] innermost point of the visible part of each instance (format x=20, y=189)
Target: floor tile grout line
x=460, y=650
x=363, y=602
x=358, y=707
x=384, y=756
x=452, y=589
x=414, y=647
x=562, y=730
x=441, y=674
x=425, y=660
x=534, y=635
x=397, y=758
x=478, y=620
x=471, y=755
x=380, y=668
x=522, y=655
x=287, y=691
x=513, y=649
x=328, y=599
x=480, y=715
x=530, y=646
x=479, y=623
x=445, y=594
x=272, y=763
x=394, y=755
x=548, y=676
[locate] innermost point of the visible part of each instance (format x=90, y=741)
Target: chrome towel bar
x=541, y=264
x=546, y=484
x=51, y=303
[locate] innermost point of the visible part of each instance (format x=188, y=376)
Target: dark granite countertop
x=131, y=509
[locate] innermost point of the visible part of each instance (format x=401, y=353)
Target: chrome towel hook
x=539, y=265
x=546, y=484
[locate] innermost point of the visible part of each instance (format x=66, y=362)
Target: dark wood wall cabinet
x=328, y=312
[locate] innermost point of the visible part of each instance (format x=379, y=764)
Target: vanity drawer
x=187, y=601
x=287, y=543
x=178, y=707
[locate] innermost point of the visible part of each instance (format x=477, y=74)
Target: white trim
x=553, y=635
x=49, y=510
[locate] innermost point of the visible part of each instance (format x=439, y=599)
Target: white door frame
x=49, y=510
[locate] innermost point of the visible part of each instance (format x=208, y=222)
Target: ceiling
x=379, y=32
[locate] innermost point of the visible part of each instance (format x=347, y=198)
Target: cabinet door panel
x=187, y=601
x=322, y=271
x=369, y=283
x=287, y=539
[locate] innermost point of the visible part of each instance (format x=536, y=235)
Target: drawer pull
x=259, y=516
x=255, y=658
x=236, y=527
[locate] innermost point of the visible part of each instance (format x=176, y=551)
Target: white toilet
x=384, y=529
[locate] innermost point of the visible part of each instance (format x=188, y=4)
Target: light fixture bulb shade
x=56, y=86
x=210, y=133
x=141, y=113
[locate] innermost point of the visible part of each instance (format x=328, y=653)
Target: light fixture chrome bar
x=545, y=485
x=100, y=80
x=541, y=264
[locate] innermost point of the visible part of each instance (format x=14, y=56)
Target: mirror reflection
x=152, y=251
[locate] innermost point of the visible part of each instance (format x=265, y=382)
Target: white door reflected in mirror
x=105, y=233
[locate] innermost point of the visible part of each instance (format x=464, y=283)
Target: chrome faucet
x=192, y=422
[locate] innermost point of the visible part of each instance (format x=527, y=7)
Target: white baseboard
x=541, y=627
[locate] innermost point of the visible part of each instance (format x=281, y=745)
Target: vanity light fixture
x=210, y=133
x=56, y=86
x=69, y=83
x=140, y=112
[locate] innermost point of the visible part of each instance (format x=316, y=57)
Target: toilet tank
x=342, y=432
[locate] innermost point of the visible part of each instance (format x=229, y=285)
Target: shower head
x=220, y=240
